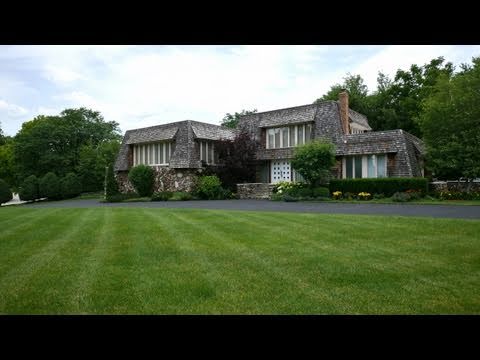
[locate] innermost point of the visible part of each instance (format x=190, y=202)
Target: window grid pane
x=349, y=167
x=277, y=138
x=371, y=163
x=292, y=136
x=285, y=137
x=358, y=166
x=381, y=166
x=300, y=134
x=210, y=153
x=204, y=151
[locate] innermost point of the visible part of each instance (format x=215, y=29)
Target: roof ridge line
x=288, y=108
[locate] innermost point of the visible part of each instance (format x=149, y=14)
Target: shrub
x=276, y=197
x=401, y=197
x=337, y=195
x=286, y=187
x=141, y=177
x=110, y=184
x=289, y=198
x=209, y=188
x=458, y=195
x=120, y=197
x=379, y=196
x=314, y=160
x=364, y=196
x=181, y=196
x=387, y=186
x=414, y=194
x=320, y=192
x=162, y=196
x=70, y=186
x=5, y=192
x=49, y=187
x=29, y=189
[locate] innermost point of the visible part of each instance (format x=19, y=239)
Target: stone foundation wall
x=454, y=186
x=255, y=190
x=166, y=179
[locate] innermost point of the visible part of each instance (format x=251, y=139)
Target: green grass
x=413, y=202
x=185, y=261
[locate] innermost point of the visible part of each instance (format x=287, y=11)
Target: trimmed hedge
x=29, y=189
x=5, y=192
x=386, y=186
x=142, y=178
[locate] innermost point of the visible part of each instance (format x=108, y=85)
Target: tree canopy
x=231, y=121
x=397, y=103
x=450, y=122
x=314, y=161
x=54, y=143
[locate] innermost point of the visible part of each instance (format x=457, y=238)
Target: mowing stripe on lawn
x=252, y=261
x=22, y=280
x=16, y=247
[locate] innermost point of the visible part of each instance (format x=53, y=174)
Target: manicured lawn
x=166, y=261
x=414, y=202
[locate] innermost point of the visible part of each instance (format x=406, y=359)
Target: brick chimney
x=343, y=100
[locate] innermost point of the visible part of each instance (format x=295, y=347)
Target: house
x=179, y=151
x=360, y=152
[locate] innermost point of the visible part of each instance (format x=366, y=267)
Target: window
x=288, y=136
x=152, y=154
x=366, y=166
x=207, y=152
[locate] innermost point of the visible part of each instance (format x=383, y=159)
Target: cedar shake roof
x=376, y=142
x=295, y=115
x=184, y=134
x=153, y=133
x=305, y=113
x=211, y=132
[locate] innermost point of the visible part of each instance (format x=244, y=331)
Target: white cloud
x=12, y=110
x=147, y=85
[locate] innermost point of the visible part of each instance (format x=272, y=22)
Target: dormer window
x=288, y=136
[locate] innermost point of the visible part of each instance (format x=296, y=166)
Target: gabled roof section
x=152, y=133
x=358, y=119
x=376, y=142
x=211, y=132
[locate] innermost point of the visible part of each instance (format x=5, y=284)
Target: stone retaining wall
x=166, y=179
x=461, y=186
x=255, y=190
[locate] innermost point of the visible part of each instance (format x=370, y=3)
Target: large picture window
x=288, y=136
x=364, y=166
x=153, y=154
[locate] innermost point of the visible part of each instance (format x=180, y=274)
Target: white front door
x=280, y=171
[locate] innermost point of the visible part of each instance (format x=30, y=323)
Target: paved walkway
x=440, y=211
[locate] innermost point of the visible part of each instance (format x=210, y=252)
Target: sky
x=140, y=86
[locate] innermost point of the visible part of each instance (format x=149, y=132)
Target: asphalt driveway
x=439, y=211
